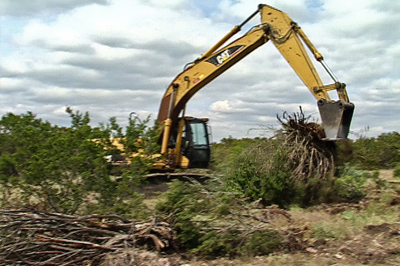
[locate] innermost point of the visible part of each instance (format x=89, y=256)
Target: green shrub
x=233, y=242
x=263, y=170
x=258, y=176
x=63, y=169
x=260, y=243
x=183, y=202
x=372, y=153
x=209, y=221
x=349, y=184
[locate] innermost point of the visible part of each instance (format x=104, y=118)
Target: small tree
x=138, y=144
x=64, y=169
x=52, y=166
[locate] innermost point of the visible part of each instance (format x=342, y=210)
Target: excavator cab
x=190, y=145
x=196, y=146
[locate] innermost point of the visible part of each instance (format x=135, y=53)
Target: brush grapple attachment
x=336, y=117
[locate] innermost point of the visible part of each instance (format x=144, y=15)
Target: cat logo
x=223, y=56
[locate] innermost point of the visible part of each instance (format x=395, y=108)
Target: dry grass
x=365, y=233
x=386, y=174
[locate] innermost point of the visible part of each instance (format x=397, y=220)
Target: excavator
x=185, y=140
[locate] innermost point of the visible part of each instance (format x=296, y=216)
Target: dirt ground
x=364, y=233
x=375, y=245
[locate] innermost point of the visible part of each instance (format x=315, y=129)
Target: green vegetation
x=371, y=153
x=349, y=184
x=210, y=221
x=64, y=169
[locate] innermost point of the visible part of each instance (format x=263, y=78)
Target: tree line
x=65, y=168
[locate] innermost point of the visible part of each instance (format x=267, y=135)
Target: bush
x=266, y=170
x=184, y=202
x=349, y=184
x=209, y=221
x=261, y=171
x=234, y=242
x=63, y=169
x=373, y=153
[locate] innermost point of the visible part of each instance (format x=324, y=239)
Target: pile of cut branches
x=30, y=237
x=310, y=156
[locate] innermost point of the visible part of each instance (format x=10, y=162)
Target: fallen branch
x=38, y=238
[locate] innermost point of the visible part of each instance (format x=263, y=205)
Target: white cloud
x=221, y=107
x=114, y=57
x=42, y=7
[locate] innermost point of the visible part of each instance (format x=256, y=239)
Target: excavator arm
x=277, y=27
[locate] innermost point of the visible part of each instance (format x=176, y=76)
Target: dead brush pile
x=30, y=237
x=294, y=167
x=310, y=156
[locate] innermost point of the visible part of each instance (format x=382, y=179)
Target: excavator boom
x=277, y=27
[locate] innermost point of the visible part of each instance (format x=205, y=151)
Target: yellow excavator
x=184, y=140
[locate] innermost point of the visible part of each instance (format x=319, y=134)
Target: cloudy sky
x=113, y=57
